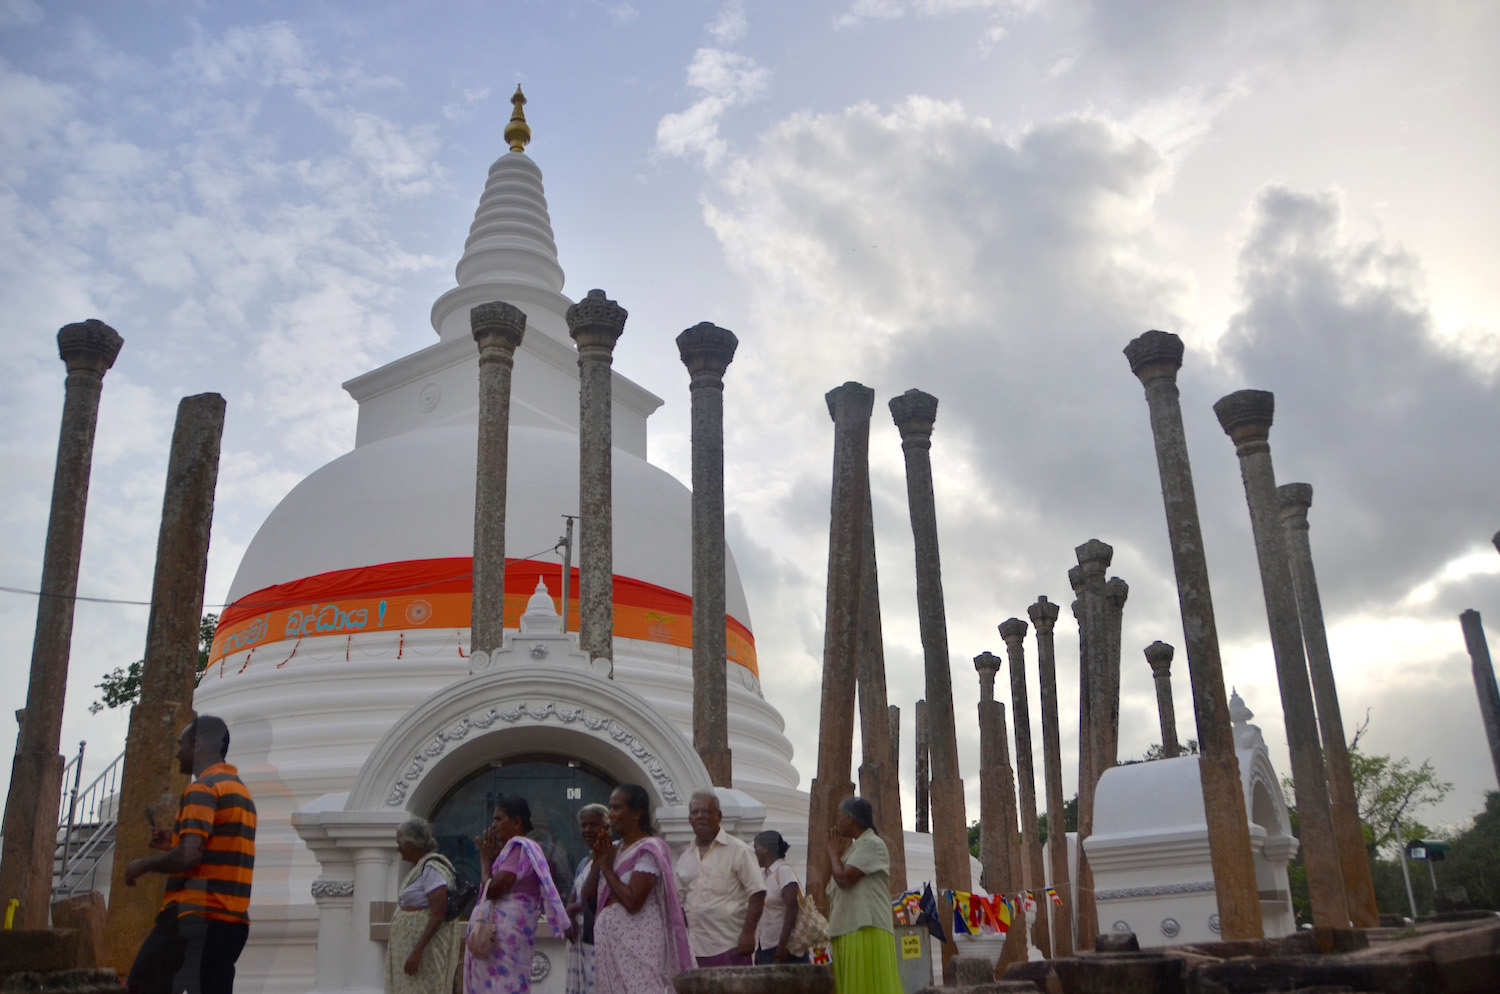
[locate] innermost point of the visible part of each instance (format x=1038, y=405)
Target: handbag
x=482, y=939
x=811, y=928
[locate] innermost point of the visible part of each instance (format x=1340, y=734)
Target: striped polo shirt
x=217, y=807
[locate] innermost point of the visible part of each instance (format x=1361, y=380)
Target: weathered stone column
x=1354, y=862
x=850, y=407
x=1155, y=358
x=1159, y=656
x=1014, y=948
x=878, y=782
x=1484, y=682
x=169, y=670
x=1085, y=698
x=1043, y=616
x=1116, y=591
x=914, y=413
x=1033, y=871
x=1093, y=559
x=996, y=835
x=706, y=351
x=922, y=769
x=1246, y=418
x=498, y=329
x=595, y=324
x=895, y=715
x=88, y=349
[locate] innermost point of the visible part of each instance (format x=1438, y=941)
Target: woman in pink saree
x=518, y=883
x=640, y=936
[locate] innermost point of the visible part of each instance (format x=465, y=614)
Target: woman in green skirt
x=859, y=919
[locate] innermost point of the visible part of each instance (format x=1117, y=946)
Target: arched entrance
x=555, y=786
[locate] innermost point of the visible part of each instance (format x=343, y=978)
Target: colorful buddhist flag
x=1052, y=893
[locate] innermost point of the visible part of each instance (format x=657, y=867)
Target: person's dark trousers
x=159, y=958
x=210, y=950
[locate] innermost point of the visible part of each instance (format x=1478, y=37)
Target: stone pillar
x=498, y=329
x=706, y=351
x=996, y=836
x=1093, y=559
x=1246, y=417
x=1484, y=682
x=1043, y=616
x=922, y=770
x=335, y=903
x=1085, y=698
x=850, y=407
x=1116, y=591
x=1359, y=885
x=914, y=413
x=1033, y=872
x=1159, y=656
x=31, y=807
x=169, y=670
x=596, y=324
x=877, y=771
x=895, y=716
x=1014, y=948
x=1155, y=358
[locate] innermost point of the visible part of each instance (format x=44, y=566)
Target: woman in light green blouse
x=859, y=918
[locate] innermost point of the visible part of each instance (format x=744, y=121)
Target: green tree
x=122, y=685
x=1474, y=860
x=1389, y=791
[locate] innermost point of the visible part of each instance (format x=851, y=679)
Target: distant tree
x=121, y=686
x=1388, y=791
x=1474, y=861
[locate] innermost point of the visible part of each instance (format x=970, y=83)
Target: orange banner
x=438, y=593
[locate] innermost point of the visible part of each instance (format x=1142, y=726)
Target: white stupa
x=342, y=664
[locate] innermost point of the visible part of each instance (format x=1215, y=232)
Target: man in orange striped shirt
x=204, y=920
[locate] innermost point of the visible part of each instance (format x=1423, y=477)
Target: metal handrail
x=95, y=807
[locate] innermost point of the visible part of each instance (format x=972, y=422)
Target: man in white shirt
x=723, y=887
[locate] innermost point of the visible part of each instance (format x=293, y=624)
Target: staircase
x=86, y=828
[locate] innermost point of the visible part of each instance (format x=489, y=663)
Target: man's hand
x=134, y=871
x=161, y=839
x=782, y=956
x=747, y=944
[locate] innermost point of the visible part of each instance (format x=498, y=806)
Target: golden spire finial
x=517, y=133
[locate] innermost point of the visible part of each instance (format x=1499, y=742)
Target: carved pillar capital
x=1043, y=615
x=987, y=664
x=1093, y=559
x=497, y=325
x=1156, y=355
x=1159, y=655
x=915, y=413
x=88, y=346
x=595, y=324
x=1294, y=500
x=1012, y=630
x=1246, y=417
x=707, y=350
x=1116, y=591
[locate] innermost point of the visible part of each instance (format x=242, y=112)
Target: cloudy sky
x=986, y=199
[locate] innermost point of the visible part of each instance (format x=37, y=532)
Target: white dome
x=411, y=497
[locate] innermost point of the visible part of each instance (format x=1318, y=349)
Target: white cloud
x=726, y=79
x=888, y=10
x=730, y=24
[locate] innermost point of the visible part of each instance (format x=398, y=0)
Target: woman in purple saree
x=518, y=882
x=640, y=936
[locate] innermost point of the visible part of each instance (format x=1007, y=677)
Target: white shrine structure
x=342, y=667
x=1149, y=850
